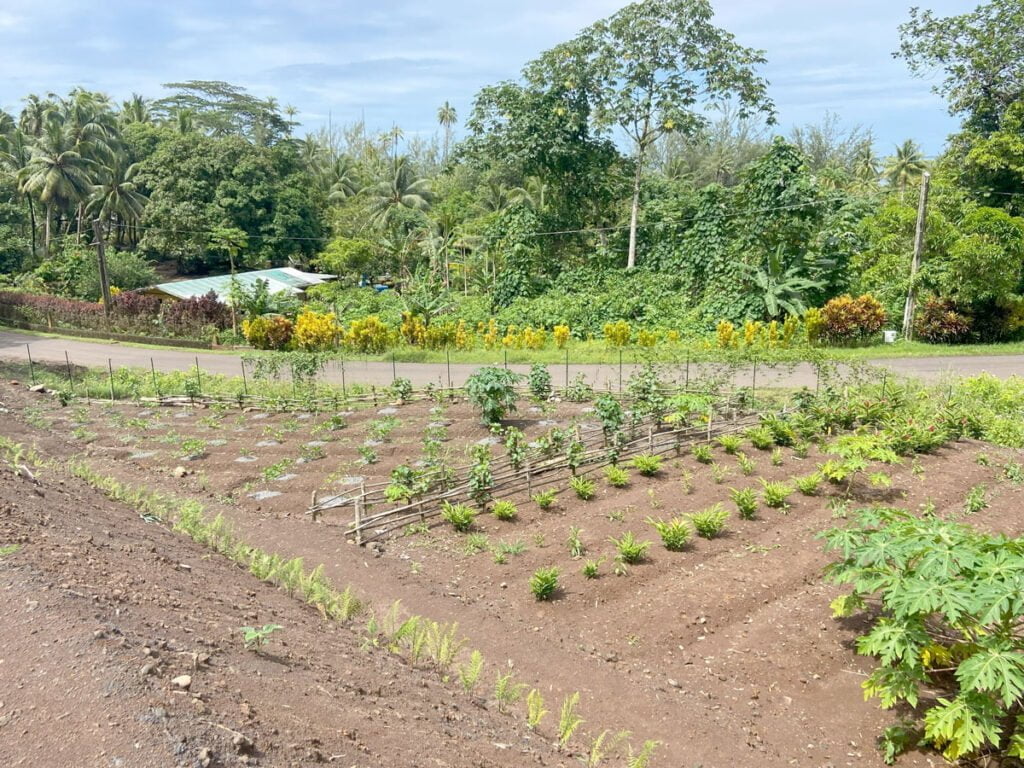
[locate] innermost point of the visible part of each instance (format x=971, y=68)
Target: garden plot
x=731, y=635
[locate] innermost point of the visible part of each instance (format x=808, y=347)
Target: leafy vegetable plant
x=583, y=487
x=544, y=583
x=630, y=549
x=460, y=516
x=710, y=522
x=746, y=502
x=675, y=533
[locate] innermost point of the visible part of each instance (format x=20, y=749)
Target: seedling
x=507, y=692
x=591, y=568
x=460, y=516
x=730, y=443
x=476, y=542
x=584, y=487
x=569, y=720
x=710, y=522
x=746, y=464
x=545, y=499
x=746, y=502
x=976, y=500
x=616, y=476
x=777, y=457
x=675, y=533
x=761, y=438
x=808, y=484
x=544, y=583
x=255, y=638
x=702, y=453
x=576, y=547
x=646, y=464
x=774, y=494
x=719, y=473
x=367, y=454
x=630, y=550
x=504, y=510
x=535, y=711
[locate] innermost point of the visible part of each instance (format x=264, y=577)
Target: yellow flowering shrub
x=618, y=333
x=561, y=335
x=368, y=335
x=268, y=332
x=725, y=334
x=646, y=338
x=315, y=331
x=413, y=329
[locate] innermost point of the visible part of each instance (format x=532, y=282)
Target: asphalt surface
x=16, y=345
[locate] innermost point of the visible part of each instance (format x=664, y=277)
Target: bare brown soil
x=726, y=653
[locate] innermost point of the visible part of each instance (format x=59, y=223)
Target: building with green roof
x=283, y=279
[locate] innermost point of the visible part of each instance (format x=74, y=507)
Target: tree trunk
x=32, y=222
x=634, y=213
x=46, y=235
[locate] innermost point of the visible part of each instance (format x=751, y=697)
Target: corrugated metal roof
x=287, y=279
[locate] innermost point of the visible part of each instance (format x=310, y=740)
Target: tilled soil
x=103, y=614
x=725, y=652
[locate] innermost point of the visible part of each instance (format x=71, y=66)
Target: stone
x=184, y=682
x=179, y=472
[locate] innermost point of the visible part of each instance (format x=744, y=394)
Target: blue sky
x=396, y=61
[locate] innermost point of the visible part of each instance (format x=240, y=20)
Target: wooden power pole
x=915, y=263
x=101, y=257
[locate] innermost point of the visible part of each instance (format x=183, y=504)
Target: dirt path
x=97, y=354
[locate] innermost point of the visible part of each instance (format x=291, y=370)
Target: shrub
x=944, y=621
x=539, y=381
x=845, y=319
x=544, y=583
x=646, y=464
x=492, y=390
x=545, y=499
x=746, y=502
x=584, y=488
x=609, y=411
x=188, y=317
x=618, y=333
x=939, y=322
x=315, y=331
x=616, y=477
x=461, y=516
x=402, y=389
x=504, y=510
x=710, y=522
x=702, y=453
x=368, y=335
x=630, y=549
x=675, y=533
x=591, y=569
x=561, y=335
x=775, y=494
x=268, y=332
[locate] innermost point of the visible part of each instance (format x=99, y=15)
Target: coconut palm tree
x=33, y=116
x=15, y=153
x=494, y=197
x=340, y=179
x=57, y=172
x=116, y=197
x=447, y=117
x=399, y=189
x=905, y=167
x=136, y=110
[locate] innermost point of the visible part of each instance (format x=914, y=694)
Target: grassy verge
x=597, y=352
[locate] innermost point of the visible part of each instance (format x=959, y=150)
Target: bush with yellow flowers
x=315, y=331
x=368, y=335
x=268, y=331
x=561, y=333
x=618, y=333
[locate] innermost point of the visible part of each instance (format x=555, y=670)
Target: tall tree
x=980, y=53
x=905, y=167
x=651, y=69
x=447, y=117
x=398, y=189
x=57, y=172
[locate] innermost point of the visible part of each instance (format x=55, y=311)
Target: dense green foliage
x=945, y=632
x=540, y=216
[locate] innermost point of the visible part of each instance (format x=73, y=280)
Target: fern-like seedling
x=746, y=502
x=710, y=522
x=568, y=720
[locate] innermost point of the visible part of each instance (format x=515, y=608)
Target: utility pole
x=101, y=256
x=915, y=264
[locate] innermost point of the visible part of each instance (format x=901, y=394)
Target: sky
x=396, y=61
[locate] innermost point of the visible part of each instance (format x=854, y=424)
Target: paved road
x=96, y=354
